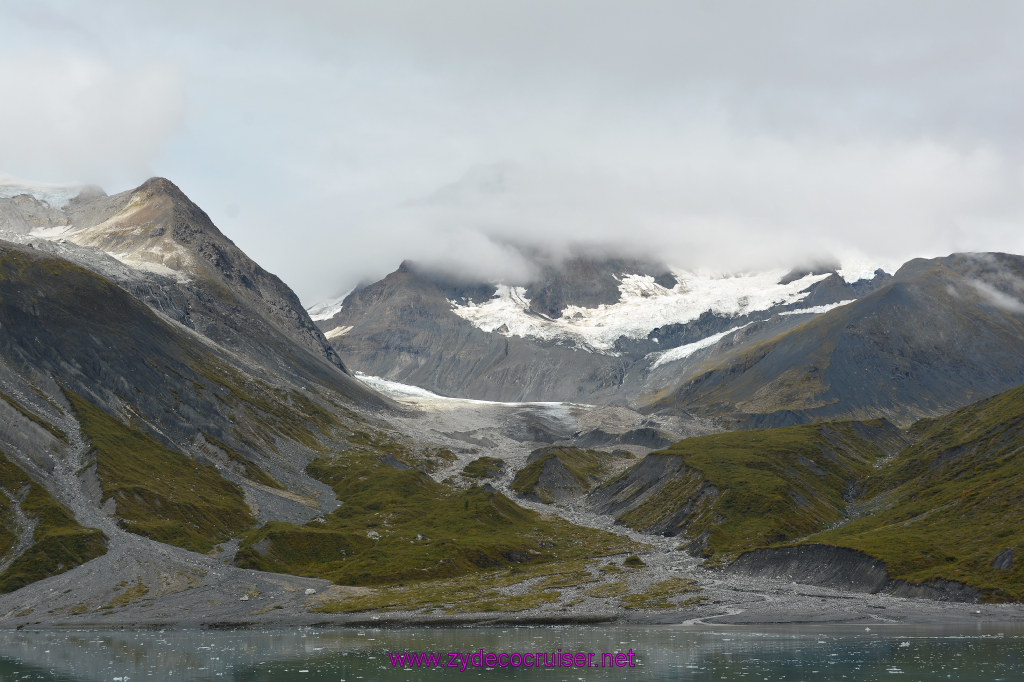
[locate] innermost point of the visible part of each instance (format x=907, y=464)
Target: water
x=984, y=652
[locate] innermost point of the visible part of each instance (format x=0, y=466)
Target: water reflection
x=987, y=653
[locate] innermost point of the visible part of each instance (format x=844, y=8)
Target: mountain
x=749, y=350
x=588, y=330
x=182, y=265
x=178, y=438
x=948, y=507
x=939, y=334
x=179, y=399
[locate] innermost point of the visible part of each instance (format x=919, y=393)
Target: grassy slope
x=951, y=502
x=585, y=466
x=396, y=526
x=483, y=467
x=59, y=543
x=773, y=485
x=160, y=493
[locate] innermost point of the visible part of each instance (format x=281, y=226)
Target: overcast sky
x=332, y=140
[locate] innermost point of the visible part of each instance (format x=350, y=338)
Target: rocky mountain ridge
x=179, y=262
x=760, y=349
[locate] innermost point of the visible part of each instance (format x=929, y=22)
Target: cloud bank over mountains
x=333, y=140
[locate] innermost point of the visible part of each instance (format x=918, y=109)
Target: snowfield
x=643, y=306
x=325, y=310
x=685, y=351
x=818, y=308
x=56, y=196
x=424, y=399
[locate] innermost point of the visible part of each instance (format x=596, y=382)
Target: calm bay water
x=985, y=652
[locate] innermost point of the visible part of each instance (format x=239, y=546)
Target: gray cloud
x=331, y=140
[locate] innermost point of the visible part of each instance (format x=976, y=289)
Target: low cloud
x=719, y=199
x=1001, y=299
x=72, y=117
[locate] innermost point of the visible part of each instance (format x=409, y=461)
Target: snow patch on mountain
x=56, y=196
x=325, y=310
x=685, y=351
x=54, y=232
x=422, y=398
x=818, y=309
x=642, y=307
x=338, y=331
x=856, y=268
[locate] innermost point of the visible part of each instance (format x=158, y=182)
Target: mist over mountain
x=733, y=137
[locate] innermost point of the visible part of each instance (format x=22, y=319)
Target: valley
x=182, y=444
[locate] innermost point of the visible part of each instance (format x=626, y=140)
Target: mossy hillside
x=533, y=585
x=667, y=594
x=772, y=485
x=951, y=502
x=399, y=525
x=160, y=493
x=59, y=543
x=474, y=593
x=586, y=467
x=377, y=443
x=12, y=481
x=483, y=467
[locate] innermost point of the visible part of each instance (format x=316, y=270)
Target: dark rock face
x=403, y=329
x=561, y=474
x=844, y=569
x=646, y=436
x=1004, y=561
x=557, y=482
x=117, y=352
x=588, y=283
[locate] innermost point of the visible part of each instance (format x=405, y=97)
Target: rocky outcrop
x=588, y=282
x=842, y=568
x=563, y=474
x=686, y=496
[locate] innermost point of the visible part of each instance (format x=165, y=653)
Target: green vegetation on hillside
x=399, y=525
x=59, y=543
x=585, y=467
x=483, y=467
x=160, y=493
x=771, y=485
x=950, y=503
